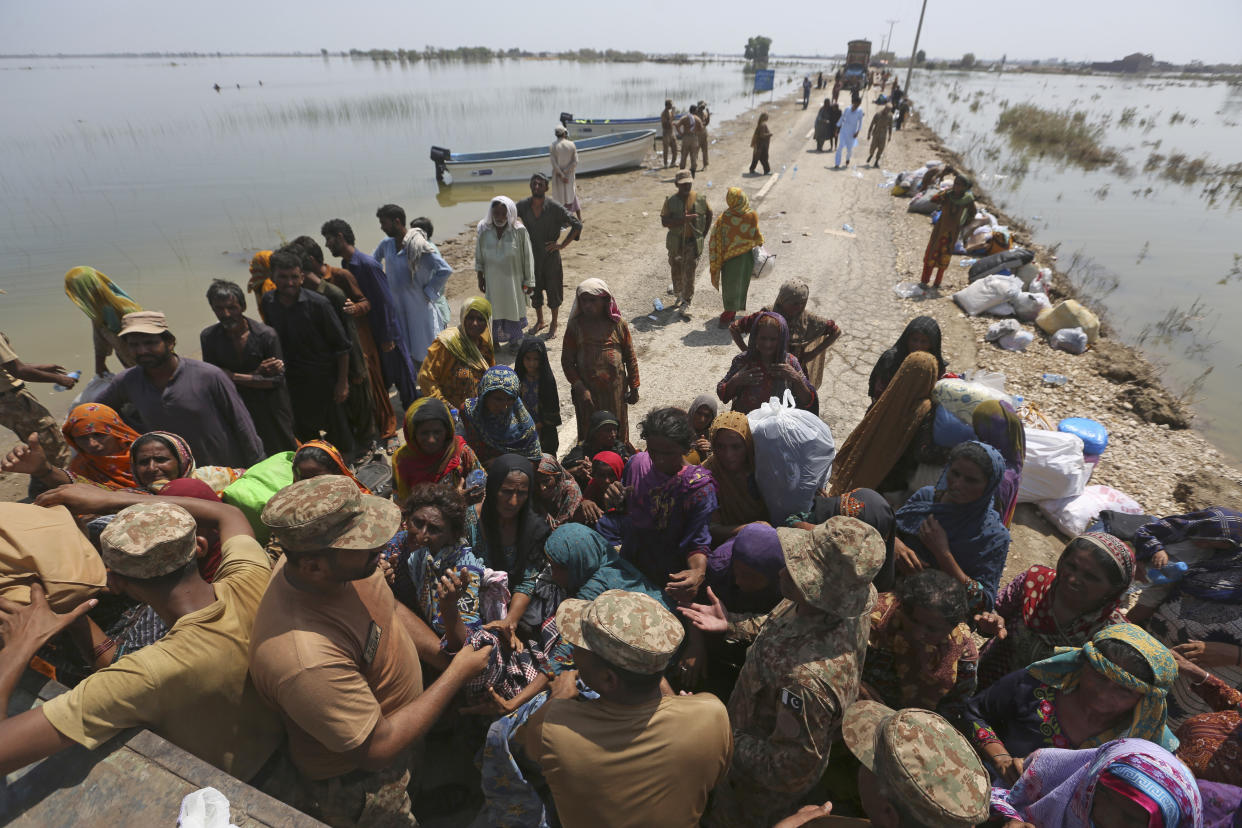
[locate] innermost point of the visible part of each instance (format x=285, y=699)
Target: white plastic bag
x=999, y=329
x=1072, y=515
x=204, y=808
x=1071, y=340
x=94, y=389
x=794, y=451
x=765, y=262
x=987, y=292
x=1053, y=467
x=1003, y=309
x=1016, y=341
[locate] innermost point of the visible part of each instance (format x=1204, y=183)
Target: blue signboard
x=764, y=80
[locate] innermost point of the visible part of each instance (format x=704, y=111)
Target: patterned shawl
x=596, y=287
x=1064, y=670
x=568, y=496
x=657, y=496
x=462, y=346
x=1057, y=787
x=513, y=432
x=412, y=465
x=996, y=424
x=918, y=674
x=99, y=297
x=1038, y=588
x=736, y=501
x=114, y=471
x=217, y=477
x=879, y=441
x=735, y=232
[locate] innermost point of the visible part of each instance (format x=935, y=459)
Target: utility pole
x=917, y=32
x=889, y=42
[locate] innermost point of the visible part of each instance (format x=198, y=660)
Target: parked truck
x=857, y=59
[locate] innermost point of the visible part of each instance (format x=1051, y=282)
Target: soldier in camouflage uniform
x=916, y=768
x=22, y=412
x=801, y=672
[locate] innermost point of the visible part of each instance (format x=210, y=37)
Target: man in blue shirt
x=418, y=291
x=395, y=363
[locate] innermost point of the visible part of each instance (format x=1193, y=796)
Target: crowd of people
x=623, y=633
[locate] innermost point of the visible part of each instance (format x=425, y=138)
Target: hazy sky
x=1075, y=29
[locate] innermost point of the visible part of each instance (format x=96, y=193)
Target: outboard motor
x=440, y=156
x=566, y=117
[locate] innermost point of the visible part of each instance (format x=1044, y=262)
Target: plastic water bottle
x=1055, y=379
x=657, y=304
x=1170, y=574
x=59, y=387
x=847, y=228
x=793, y=174
x=709, y=185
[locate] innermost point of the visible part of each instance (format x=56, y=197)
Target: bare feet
x=551, y=332
x=538, y=326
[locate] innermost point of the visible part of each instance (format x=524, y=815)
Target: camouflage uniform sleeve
x=793, y=756
x=744, y=626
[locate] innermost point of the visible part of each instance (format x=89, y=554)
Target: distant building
x=1130, y=64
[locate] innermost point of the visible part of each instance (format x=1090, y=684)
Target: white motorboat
x=594, y=127
x=607, y=152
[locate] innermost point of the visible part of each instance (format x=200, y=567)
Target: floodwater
x=1162, y=257
x=139, y=168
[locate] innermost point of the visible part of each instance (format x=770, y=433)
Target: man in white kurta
x=848, y=129
x=563, y=187
x=505, y=265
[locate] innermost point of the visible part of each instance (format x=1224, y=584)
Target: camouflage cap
x=329, y=512
x=628, y=629
x=833, y=564
x=922, y=760
x=148, y=540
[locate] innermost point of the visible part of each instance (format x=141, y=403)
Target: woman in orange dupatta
x=733, y=237
x=318, y=457
x=102, y=441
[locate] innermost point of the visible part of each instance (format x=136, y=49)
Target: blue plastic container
x=1093, y=435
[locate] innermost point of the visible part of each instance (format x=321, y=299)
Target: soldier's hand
x=472, y=661
x=805, y=814
x=709, y=618
x=79, y=498
x=28, y=459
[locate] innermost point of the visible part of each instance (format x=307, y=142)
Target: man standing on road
x=22, y=412
x=316, y=354
x=667, y=138
x=801, y=673
x=848, y=129
x=545, y=218
x=395, y=363
x=705, y=117
x=879, y=131
x=806, y=91
x=687, y=217
x=334, y=652
x=688, y=128
x=185, y=396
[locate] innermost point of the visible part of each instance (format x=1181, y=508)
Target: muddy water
x=141, y=169
x=1164, y=258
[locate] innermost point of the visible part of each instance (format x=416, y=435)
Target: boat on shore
x=606, y=152
x=594, y=127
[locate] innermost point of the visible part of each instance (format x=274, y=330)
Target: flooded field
x=1142, y=196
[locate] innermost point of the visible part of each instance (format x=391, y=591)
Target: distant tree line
x=482, y=54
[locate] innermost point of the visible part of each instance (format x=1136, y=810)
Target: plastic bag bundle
x=794, y=451
x=1028, y=306
x=986, y=293
x=1004, y=260
x=998, y=329
x=1070, y=340
x=1072, y=515
x=960, y=397
x=1053, y=467
x=1094, y=435
x=1016, y=341
x=765, y=262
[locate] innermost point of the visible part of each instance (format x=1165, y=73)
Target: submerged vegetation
x=1059, y=134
